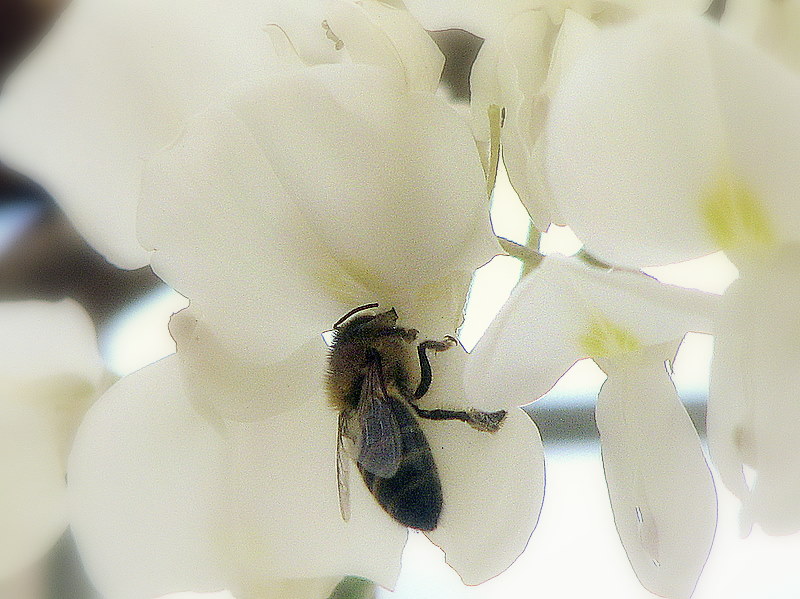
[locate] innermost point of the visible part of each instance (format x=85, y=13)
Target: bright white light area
x=491, y=286
x=692, y=365
x=559, y=240
x=580, y=383
x=712, y=273
x=575, y=551
x=509, y=217
x=138, y=336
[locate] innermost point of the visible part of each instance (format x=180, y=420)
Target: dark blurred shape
x=45, y=258
x=460, y=49
x=574, y=421
x=353, y=587
x=65, y=577
x=51, y=261
x=22, y=25
x=716, y=9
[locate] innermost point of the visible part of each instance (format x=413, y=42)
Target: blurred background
x=574, y=552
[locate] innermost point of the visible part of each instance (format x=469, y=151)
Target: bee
x=369, y=381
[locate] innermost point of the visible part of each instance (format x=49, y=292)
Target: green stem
x=352, y=587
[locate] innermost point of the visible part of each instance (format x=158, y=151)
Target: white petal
x=756, y=424
x=661, y=490
x=493, y=486
x=284, y=510
x=574, y=36
x=376, y=33
x=633, y=138
x=530, y=343
x=109, y=85
x=554, y=316
x=48, y=339
x=222, y=384
x=145, y=485
x=652, y=120
x=33, y=493
x=730, y=418
x=677, y=6
x=320, y=224
x=480, y=17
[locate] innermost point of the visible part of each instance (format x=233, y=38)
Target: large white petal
x=564, y=311
x=493, y=486
x=278, y=221
x=652, y=121
x=661, y=490
x=222, y=384
x=757, y=426
x=110, y=84
x=146, y=490
x=283, y=503
x=32, y=490
x=634, y=137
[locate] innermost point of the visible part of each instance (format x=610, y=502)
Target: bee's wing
x=380, y=444
x=343, y=469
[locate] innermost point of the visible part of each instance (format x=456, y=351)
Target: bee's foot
x=447, y=343
x=487, y=422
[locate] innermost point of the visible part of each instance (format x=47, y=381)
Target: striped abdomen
x=413, y=496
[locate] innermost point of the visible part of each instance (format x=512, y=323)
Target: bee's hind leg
x=488, y=422
x=482, y=421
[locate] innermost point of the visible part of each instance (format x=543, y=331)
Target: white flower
x=671, y=140
x=520, y=67
x=661, y=489
x=290, y=199
x=529, y=46
x=50, y=372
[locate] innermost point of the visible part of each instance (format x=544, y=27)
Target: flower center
x=734, y=216
x=605, y=338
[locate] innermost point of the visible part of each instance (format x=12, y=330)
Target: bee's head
x=350, y=324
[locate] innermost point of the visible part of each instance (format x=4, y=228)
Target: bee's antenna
x=353, y=311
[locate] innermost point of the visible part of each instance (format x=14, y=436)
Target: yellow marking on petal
x=496, y=117
x=605, y=338
x=734, y=216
